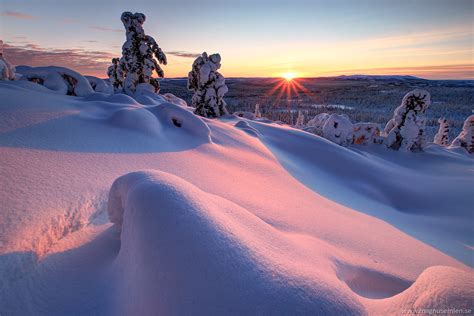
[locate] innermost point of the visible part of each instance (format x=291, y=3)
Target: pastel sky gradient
x=428, y=38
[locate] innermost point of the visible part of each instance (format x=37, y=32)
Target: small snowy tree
x=465, y=139
x=208, y=85
x=115, y=73
x=7, y=72
x=442, y=137
x=137, y=64
x=257, y=111
x=406, y=129
x=299, y=120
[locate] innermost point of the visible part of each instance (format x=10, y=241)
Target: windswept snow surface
x=228, y=216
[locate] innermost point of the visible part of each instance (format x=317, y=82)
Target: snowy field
x=120, y=206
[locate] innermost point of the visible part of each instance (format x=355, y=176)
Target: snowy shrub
x=257, y=111
x=465, y=139
x=99, y=85
x=315, y=125
x=442, y=137
x=339, y=129
x=406, y=129
x=7, y=72
x=59, y=79
x=135, y=68
x=300, y=120
x=208, y=85
x=366, y=133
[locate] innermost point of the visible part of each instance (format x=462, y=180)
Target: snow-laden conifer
x=465, y=139
x=442, y=137
x=141, y=56
x=115, y=74
x=208, y=85
x=406, y=129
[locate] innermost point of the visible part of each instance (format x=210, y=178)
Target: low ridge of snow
x=112, y=205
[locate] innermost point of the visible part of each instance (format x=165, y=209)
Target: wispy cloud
x=18, y=15
x=88, y=62
x=81, y=60
x=180, y=53
x=106, y=29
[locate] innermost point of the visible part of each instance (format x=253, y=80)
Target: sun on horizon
x=288, y=76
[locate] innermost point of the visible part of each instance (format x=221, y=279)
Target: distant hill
x=379, y=77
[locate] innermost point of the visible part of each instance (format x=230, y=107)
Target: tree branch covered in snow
x=141, y=56
x=208, y=85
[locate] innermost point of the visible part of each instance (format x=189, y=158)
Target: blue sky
x=258, y=38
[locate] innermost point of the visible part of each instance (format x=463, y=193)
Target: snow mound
x=184, y=250
x=175, y=100
x=436, y=291
x=136, y=119
x=338, y=129
x=100, y=85
x=164, y=118
x=243, y=125
x=59, y=79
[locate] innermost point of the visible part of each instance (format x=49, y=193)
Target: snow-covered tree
x=465, y=139
x=257, y=111
x=115, y=73
x=299, y=120
x=135, y=68
x=339, y=129
x=7, y=72
x=442, y=137
x=406, y=129
x=208, y=85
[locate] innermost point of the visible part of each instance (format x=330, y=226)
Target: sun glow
x=288, y=76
